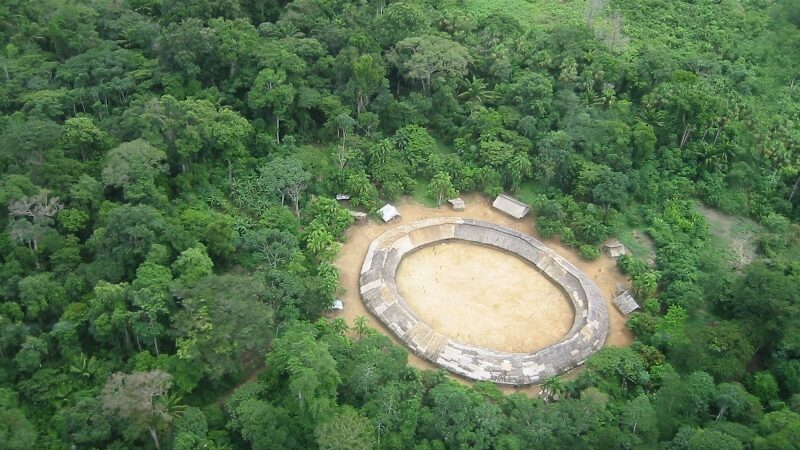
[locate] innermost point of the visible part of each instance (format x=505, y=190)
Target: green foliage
x=134, y=167
x=305, y=370
x=333, y=217
x=711, y=440
x=17, y=431
x=224, y=325
x=345, y=430
x=168, y=172
x=589, y=252
x=622, y=369
x=441, y=188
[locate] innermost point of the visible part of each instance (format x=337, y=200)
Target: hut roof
x=337, y=305
x=359, y=218
x=457, y=203
x=615, y=248
x=511, y=206
x=388, y=213
x=342, y=197
x=625, y=303
x=358, y=214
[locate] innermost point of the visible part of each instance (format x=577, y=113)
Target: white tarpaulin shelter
x=511, y=206
x=389, y=213
x=337, y=305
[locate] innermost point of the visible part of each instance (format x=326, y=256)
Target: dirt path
x=603, y=271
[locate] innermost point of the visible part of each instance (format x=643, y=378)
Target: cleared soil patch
x=602, y=271
x=484, y=297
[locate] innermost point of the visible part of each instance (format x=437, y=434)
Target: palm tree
x=283, y=30
x=518, y=167
x=85, y=368
x=360, y=326
x=172, y=407
x=645, y=284
x=552, y=388
x=379, y=153
x=476, y=91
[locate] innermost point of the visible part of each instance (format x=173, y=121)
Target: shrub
x=589, y=252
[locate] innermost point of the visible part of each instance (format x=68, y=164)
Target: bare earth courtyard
x=602, y=271
x=379, y=292
x=449, y=284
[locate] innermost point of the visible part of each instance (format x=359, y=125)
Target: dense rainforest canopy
x=167, y=171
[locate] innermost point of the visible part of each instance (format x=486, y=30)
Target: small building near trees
x=457, y=203
x=511, y=206
x=389, y=213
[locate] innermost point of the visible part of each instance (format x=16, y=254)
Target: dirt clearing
x=450, y=284
x=603, y=272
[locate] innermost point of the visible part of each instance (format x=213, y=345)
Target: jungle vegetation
x=167, y=170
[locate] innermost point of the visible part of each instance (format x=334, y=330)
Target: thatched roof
x=457, y=203
x=389, y=213
x=625, y=303
x=614, y=248
x=511, y=206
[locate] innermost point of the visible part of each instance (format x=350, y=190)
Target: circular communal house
x=379, y=293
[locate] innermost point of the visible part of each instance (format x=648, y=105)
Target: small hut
x=457, y=203
x=389, y=213
x=337, y=305
x=359, y=218
x=625, y=303
x=614, y=248
x=511, y=206
x=342, y=197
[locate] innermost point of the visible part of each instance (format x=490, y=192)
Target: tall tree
x=441, y=188
x=135, y=167
x=137, y=398
x=427, y=58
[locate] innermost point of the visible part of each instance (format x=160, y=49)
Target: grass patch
x=528, y=191
x=737, y=234
x=638, y=242
x=420, y=193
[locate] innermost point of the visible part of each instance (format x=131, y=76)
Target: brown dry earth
x=486, y=297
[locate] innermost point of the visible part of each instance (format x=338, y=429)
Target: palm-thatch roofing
x=625, y=303
x=615, y=248
x=511, y=206
x=457, y=203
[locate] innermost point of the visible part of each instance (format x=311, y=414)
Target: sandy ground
x=449, y=285
x=603, y=271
